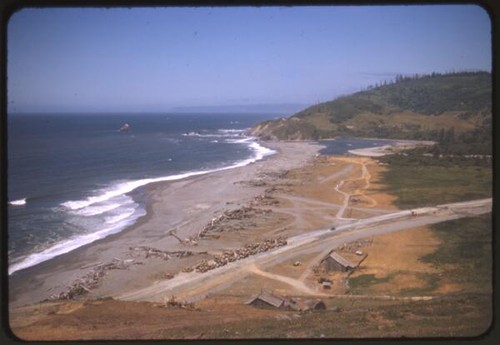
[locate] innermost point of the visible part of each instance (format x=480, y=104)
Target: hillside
x=441, y=107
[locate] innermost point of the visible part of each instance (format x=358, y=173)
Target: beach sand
x=399, y=146
x=185, y=206
x=304, y=192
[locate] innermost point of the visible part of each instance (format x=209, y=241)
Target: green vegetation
x=475, y=141
x=466, y=251
x=437, y=93
x=464, y=256
x=418, y=180
x=455, y=316
x=432, y=281
x=306, y=130
x=453, y=109
x=428, y=95
x=344, y=108
x=364, y=280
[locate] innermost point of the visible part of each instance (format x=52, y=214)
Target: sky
x=157, y=59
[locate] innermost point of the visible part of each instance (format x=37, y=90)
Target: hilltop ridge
x=422, y=107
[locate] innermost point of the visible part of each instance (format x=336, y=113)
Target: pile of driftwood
x=92, y=279
x=274, y=175
x=265, y=179
x=355, y=245
x=219, y=224
x=253, y=183
x=189, y=241
x=237, y=254
x=243, y=212
x=150, y=252
x=264, y=200
x=172, y=302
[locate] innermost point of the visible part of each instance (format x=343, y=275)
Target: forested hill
x=438, y=107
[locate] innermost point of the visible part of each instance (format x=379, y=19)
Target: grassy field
x=466, y=252
x=465, y=315
x=420, y=181
x=365, y=280
x=447, y=317
x=464, y=256
x=463, y=260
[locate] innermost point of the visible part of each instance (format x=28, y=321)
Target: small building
x=316, y=305
x=327, y=285
x=335, y=262
x=306, y=305
x=267, y=300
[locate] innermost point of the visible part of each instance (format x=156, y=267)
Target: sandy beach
x=147, y=282
x=177, y=212
x=399, y=146
x=184, y=206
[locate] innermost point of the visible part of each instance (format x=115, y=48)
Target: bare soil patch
x=306, y=200
x=228, y=318
x=397, y=256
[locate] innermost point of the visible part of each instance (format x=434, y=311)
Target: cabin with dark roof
x=267, y=300
x=335, y=262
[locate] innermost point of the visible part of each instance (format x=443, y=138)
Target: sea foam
x=95, y=210
x=113, y=199
x=122, y=216
x=72, y=244
x=19, y=202
x=127, y=187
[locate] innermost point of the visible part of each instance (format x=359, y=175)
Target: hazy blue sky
x=152, y=59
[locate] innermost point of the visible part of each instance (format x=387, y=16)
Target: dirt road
x=194, y=285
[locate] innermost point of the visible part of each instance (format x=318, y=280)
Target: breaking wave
x=20, y=202
x=112, y=209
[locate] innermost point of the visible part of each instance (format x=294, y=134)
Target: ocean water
x=73, y=179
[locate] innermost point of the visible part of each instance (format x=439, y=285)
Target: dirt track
x=307, y=198
x=195, y=286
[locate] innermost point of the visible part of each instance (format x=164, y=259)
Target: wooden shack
x=335, y=262
x=267, y=300
x=300, y=304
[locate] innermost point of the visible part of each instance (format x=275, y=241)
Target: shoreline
x=294, y=205
x=261, y=153
x=193, y=208
x=398, y=146
x=196, y=200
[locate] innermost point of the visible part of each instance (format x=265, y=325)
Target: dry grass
x=444, y=120
x=394, y=266
x=397, y=255
x=227, y=318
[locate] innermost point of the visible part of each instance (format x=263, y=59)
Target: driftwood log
x=220, y=223
x=150, y=252
x=93, y=278
x=237, y=254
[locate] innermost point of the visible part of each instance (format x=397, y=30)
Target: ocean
x=76, y=178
